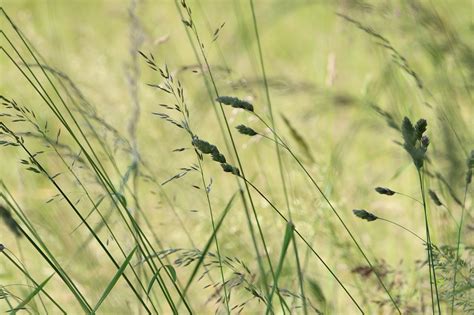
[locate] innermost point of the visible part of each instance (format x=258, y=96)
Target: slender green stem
x=307, y=244
x=334, y=211
x=429, y=249
x=277, y=147
x=226, y=130
x=458, y=244
x=401, y=226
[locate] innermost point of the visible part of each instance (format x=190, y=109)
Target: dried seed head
x=364, y=215
x=384, y=191
x=246, y=130
x=435, y=198
x=235, y=102
x=2, y=247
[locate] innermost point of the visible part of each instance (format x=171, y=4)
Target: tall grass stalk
x=277, y=148
x=431, y=267
x=193, y=28
x=316, y=185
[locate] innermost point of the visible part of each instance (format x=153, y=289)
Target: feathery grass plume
x=230, y=169
x=9, y=221
x=416, y=143
x=364, y=215
x=235, y=102
x=246, y=130
x=434, y=197
x=384, y=191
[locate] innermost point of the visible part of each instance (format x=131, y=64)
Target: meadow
x=236, y=156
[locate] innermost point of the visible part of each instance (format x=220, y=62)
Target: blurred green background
x=327, y=77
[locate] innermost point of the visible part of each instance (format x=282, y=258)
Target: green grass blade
x=33, y=293
x=114, y=280
x=286, y=242
x=208, y=244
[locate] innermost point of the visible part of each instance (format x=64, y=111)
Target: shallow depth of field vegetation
x=236, y=156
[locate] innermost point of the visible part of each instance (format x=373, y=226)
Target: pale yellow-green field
x=325, y=76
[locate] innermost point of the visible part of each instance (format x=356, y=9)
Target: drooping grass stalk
x=401, y=226
x=307, y=244
x=277, y=148
x=315, y=184
x=431, y=267
x=178, y=94
x=192, y=26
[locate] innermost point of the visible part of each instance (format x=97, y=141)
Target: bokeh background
x=332, y=87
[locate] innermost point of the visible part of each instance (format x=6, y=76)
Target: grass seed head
x=384, y=191
x=10, y=222
x=416, y=143
x=435, y=198
x=230, y=169
x=235, y=102
x=246, y=130
x=364, y=215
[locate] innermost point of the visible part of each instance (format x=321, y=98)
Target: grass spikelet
x=9, y=221
x=246, y=130
x=384, y=191
x=230, y=169
x=470, y=166
x=207, y=148
x=363, y=214
x=416, y=143
x=435, y=198
x=235, y=102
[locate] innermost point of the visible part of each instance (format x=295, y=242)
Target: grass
x=202, y=156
